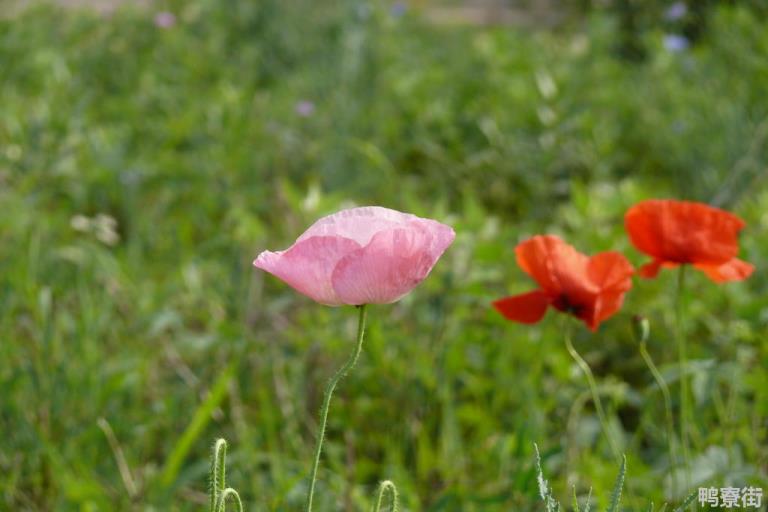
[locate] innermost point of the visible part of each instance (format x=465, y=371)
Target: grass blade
x=686, y=503
x=199, y=420
x=544, y=491
x=617, y=487
x=576, y=507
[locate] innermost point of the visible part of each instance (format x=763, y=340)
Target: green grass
x=189, y=139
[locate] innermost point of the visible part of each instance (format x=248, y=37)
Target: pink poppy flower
x=368, y=255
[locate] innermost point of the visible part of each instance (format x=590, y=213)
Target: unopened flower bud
x=641, y=327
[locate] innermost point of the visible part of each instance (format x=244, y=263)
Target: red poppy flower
x=590, y=288
x=678, y=232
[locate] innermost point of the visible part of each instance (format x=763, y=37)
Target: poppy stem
x=683, y=360
x=386, y=485
x=667, y=399
x=593, y=389
x=340, y=373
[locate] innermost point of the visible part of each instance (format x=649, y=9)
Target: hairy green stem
x=386, y=485
x=340, y=373
x=220, y=493
x=217, y=477
x=593, y=389
x=229, y=493
x=683, y=363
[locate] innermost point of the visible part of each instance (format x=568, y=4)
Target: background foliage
x=142, y=169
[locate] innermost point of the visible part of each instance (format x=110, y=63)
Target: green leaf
x=686, y=503
x=199, y=420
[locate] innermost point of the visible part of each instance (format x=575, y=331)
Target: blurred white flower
x=80, y=223
x=546, y=84
x=106, y=229
x=103, y=227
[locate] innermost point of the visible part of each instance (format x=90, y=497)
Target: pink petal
x=392, y=264
x=359, y=224
x=308, y=264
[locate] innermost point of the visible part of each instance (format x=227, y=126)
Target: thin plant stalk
x=386, y=485
x=220, y=493
x=592, y=388
x=217, y=479
x=232, y=495
x=340, y=373
x=659, y=378
x=683, y=363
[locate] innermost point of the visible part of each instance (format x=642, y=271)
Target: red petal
x=610, y=271
x=734, y=270
x=650, y=270
x=557, y=267
x=535, y=257
x=642, y=224
x=606, y=305
x=527, y=308
x=683, y=231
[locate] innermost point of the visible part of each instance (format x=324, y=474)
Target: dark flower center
x=564, y=304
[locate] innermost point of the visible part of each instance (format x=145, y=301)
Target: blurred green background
x=148, y=155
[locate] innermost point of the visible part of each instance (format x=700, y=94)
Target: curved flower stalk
x=356, y=257
x=386, y=485
x=590, y=288
x=220, y=493
x=678, y=234
x=642, y=331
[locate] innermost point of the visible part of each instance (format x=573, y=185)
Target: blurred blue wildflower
x=165, y=19
x=676, y=11
x=305, y=108
x=398, y=9
x=676, y=43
